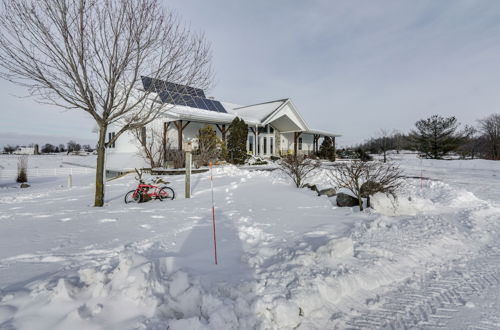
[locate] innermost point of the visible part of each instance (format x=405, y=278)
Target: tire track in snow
x=433, y=302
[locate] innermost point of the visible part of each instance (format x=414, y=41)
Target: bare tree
x=90, y=55
x=151, y=144
x=490, y=127
x=384, y=142
x=364, y=179
x=299, y=168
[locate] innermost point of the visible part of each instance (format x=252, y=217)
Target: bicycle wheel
x=133, y=197
x=166, y=193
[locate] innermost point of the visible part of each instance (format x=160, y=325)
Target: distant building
x=26, y=150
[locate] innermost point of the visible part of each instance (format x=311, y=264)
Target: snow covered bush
x=364, y=179
x=22, y=169
x=298, y=168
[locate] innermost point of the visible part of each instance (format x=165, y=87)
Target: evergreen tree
x=435, y=136
x=237, y=142
x=327, y=149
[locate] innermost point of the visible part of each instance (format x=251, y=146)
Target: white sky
x=352, y=67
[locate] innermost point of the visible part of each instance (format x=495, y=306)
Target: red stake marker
x=213, y=213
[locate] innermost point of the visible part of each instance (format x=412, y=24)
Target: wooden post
x=165, y=137
x=295, y=139
x=188, y=171
x=223, y=130
x=70, y=181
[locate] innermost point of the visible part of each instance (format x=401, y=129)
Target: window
x=250, y=144
x=271, y=129
x=271, y=147
x=300, y=143
x=265, y=146
x=258, y=146
x=263, y=129
x=111, y=136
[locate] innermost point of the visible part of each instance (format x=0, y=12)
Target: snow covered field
x=287, y=258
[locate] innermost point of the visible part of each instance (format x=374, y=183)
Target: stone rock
x=24, y=185
x=327, y=192
x=345, y=200
x=313, y=187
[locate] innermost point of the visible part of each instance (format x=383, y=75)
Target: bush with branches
x=22, y=169
x=298, y=168
x=364, y=179
x=208, y=145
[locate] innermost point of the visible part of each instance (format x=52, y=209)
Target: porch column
x=316, y=143
x=165, y=138
x=257, y=145
x=223, y=130
x=334, y=149
x=180, y=127
x=295, y=141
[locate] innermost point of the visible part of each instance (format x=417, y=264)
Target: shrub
x=298, y=168
x=364, y=179
x=237, y=142
x=208, y=143
x=22, y=169
x=327, y=149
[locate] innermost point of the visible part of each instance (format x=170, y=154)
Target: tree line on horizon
x=436, y=137
x=49, y=148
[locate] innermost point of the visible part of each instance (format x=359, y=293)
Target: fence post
x=188, y=171
x=70, y=181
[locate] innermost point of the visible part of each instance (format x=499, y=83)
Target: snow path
x=288, y=259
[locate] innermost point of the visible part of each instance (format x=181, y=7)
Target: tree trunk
x=99, y=173
x=368, y=205
x=360, y=200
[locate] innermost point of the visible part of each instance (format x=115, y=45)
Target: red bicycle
x=146, y=192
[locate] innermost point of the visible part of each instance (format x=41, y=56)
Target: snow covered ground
x=287, y=258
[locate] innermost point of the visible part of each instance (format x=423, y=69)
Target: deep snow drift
x=287, y=258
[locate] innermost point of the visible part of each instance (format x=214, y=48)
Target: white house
x=276, y=127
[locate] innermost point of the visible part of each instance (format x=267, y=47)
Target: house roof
x=282, y=114
x=260, y=111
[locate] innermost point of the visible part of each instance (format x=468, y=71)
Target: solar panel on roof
x=177, y=94
x=189, y=101
x=146, y=82
x=210, y=104
x=219, y=107
x=200, y=104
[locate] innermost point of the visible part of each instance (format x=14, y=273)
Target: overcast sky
x=351, y=67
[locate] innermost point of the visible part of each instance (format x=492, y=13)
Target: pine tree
x=435, y=136
x=326, y=149
x=237, y=142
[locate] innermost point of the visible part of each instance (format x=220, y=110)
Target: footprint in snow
x=42, y=216
x=65, y=219
x=146, y=226
x=157, y=217
x=107, y=220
